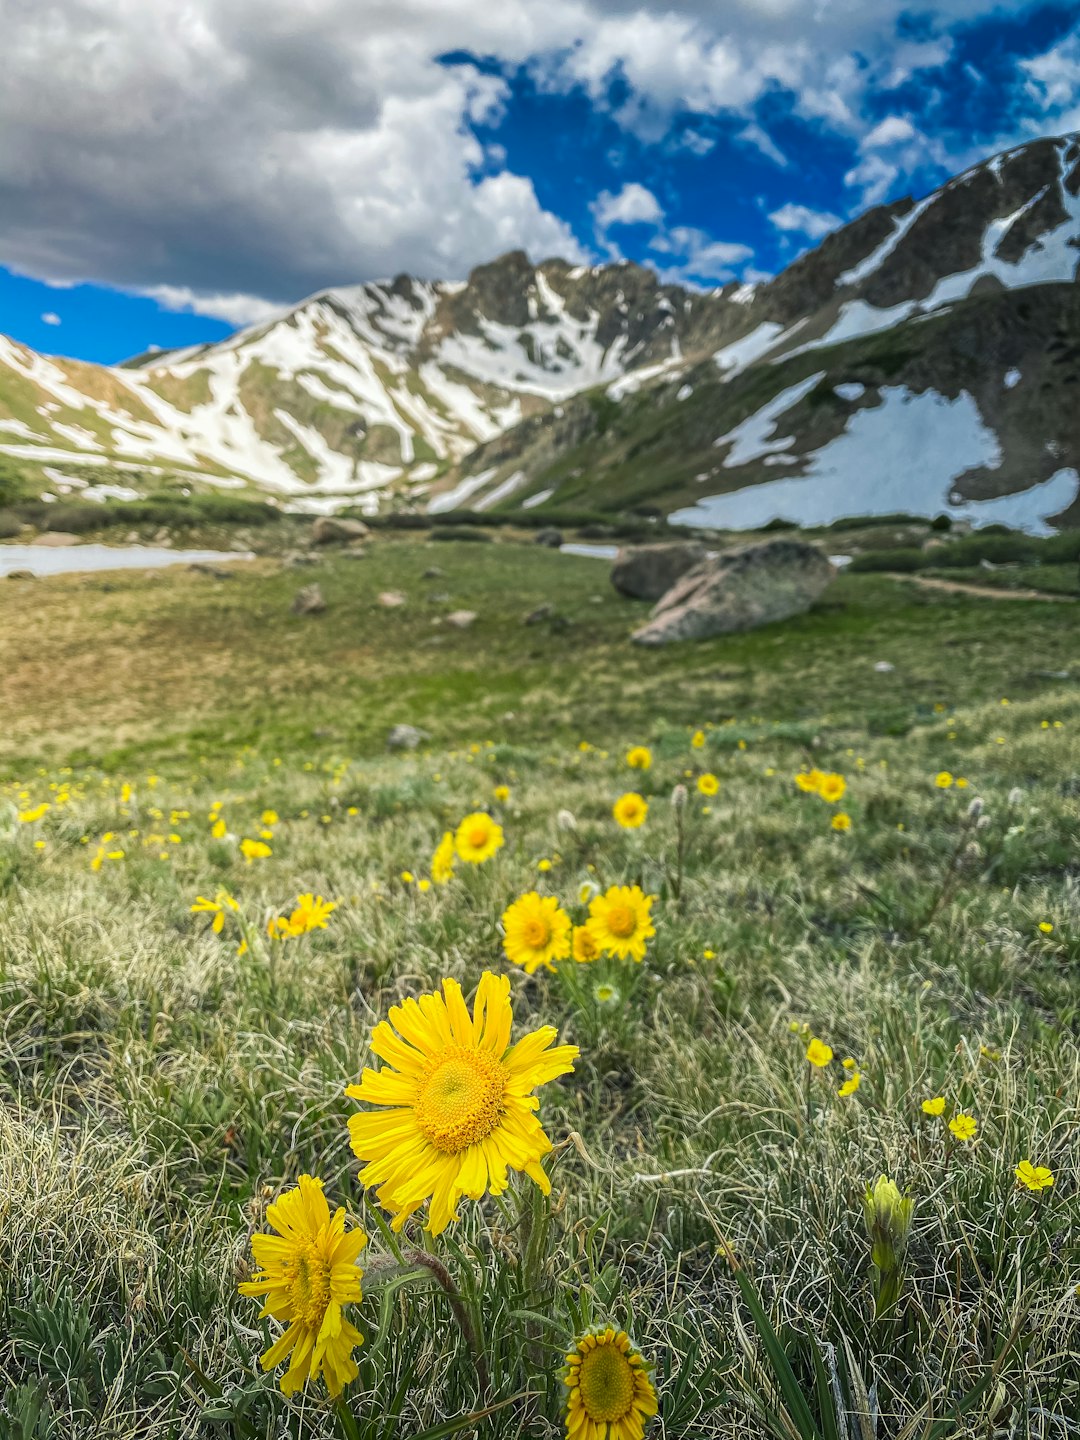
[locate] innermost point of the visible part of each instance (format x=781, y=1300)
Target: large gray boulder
x=739, y=590
x=646, y=572
x=331, y=529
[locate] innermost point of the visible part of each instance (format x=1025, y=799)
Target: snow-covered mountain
x=923, y=357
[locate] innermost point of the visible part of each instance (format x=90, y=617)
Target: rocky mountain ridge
x=920, y=358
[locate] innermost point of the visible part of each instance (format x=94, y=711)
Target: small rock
x=406, y=737
x=21, y=575
x=329, y=529
x=216, y=572
x=296, y=559
x=540, y=614
x=550, y=537
x=390, y=599
x=433, y=573
x=55, y=540
x=884, y=667
x=309, y=601
x=461, y=619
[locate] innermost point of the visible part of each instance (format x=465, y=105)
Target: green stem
x=347, y=1420
x=461, y=1315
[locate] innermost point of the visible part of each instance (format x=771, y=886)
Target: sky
x=172, y=170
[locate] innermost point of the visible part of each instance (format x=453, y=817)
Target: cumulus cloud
x=244, y=154
x=632, y=205
x=802, y=220
x=1053, y=83
x=50, y=317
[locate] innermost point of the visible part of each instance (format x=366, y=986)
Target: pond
x=74, y=559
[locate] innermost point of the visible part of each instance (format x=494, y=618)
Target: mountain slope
x=923, y=357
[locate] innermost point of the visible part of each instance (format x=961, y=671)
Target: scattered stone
x=540, y=614
x=884, y=667
x=433, y=573
x=309, y=601
x=55, y=540
x=390, y=599
x=337, y=529
x=550, y=537
x=647, y=572
x=739, y=590
x=461, y=619
x=296, y=559
x=216, y=572
x=406, y=737
x=21, y=575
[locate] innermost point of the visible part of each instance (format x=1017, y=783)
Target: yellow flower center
x=621, y=920
x=606, y=1380
x=307, y=1279
x=460, y=1101
x=478, y=836
x=536, y=932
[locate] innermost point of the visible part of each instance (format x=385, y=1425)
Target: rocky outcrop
x=739, y=590
x=309, y=601
x=338, y=529
x=647, y=572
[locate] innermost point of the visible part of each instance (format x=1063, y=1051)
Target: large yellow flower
x=307, y=1272
x=611, y=1396
x=477, y=838
x=460, y=1102
x=831, y=787
x=536, y=932
x=630, y=810
x=620, y=921
x=442, y=862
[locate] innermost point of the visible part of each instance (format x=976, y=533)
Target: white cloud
x=50, y=318
x=756, y=135
x=633, y=205
x=890, y=131
x=1053, y=84
x=801, y=220
x=235, y=309
x=697, y=257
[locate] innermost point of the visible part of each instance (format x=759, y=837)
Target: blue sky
x=218, y=161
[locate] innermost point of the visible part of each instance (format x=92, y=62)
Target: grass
x=157, y=1088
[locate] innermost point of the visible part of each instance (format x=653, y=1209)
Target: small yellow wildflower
x=477, y=838
x=583, y=945
x=708, y=784
x=442, y=862
x=630, y=810
x=841, y=821
x=850, y=1085
x=964, y=1126
x=620, y=921
x=831, y=787
x=818, y=1053
x=501, y=793
x=943, y=780
x=936, y=1106
x=639, y=757
x=1046, y=927
x=697, y=740
x=536, y=932
x=255, y=850
x=269, y=817
x=1034, y=1177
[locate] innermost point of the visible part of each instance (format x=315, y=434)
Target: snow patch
x=1012, y=378
x=749, y=440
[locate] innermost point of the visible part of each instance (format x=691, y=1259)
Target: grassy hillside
x=158, y=1089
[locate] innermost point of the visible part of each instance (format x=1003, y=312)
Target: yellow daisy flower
x=501, y=793
x=583, y=945
x=809, y=780
x=841, y=821
x=477, y=838
x=216, y=907
x=697, y=740
x=270, y=817
x=639, y=757
x=442, y=862
x=311, y=913
x=964, y=1126
x=28, y=817
x=630, y=810
x=943, y=780
x=708, y=784
x=536, y=932
x=307, y=1272
x=818, y=1053
x=831, y=787
x=611, y=1396
x=1034, y=1177
x=620, y=923
x=254, y=850
x=460, y=1102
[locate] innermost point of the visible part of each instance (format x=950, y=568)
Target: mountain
x=925, y=357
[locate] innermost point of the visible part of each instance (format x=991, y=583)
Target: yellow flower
x=277, y=927
x=620, y=923
x=477, y=838
x=708, y=784
x=307, y=1273
x=1034, y=1177
x=630, y=810
x=610, y=1394
x=543, y=865
x=460, y=1102
x=219, y=830
x=697, y=740
x=639, y=757
x=407, y=877
x=1046, y=927
x=269, y=817
x=254, y=850
x=964, y=1126
x=936, y=1106
x=831, y=787
x=943, y=780
x=850, y=1085
x=501, y=793
x=442, y=862
x=217, y=907
x=311, y=913
x=536, y=932
x=841, y=821
x=583, y=945
x=818, y=1053
x=809, y=781
x=29, y=816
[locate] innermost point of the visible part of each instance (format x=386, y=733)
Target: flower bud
x=975, y=809
x=679, y=798
x=984, y=822
x=888, y=1222
x=565, y=820
x=1016, y=795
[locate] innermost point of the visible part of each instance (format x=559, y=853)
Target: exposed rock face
x=739, y=590
x=646, y=572
x=309, y=601
x=329, y=529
